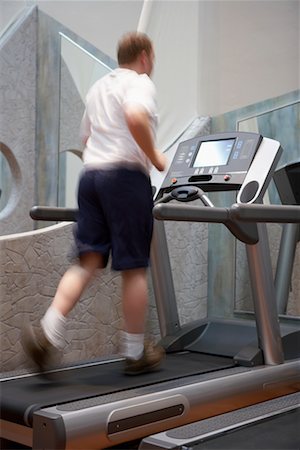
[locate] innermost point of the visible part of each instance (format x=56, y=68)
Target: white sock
x=53, y=324
x=132, y=345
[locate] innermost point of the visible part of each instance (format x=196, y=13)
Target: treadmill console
x=213, y=163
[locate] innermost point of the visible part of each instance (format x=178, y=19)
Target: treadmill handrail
x=237, y=212
x=245, y=232
x=188, y=213
x=53, y=213
x=265, y=213
x=240, y=219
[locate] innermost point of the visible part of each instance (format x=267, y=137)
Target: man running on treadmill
x=115, y=206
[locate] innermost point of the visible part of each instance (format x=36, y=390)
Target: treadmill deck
x=21, y=397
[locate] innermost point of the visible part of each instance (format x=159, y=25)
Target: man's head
x=135, y=51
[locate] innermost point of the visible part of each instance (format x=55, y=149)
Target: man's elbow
x=135, y=118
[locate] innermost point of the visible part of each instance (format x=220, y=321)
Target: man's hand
x=161, y=161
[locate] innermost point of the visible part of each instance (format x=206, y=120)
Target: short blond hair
x=131, y=46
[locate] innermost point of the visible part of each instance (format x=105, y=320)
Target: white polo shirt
x=109, y=142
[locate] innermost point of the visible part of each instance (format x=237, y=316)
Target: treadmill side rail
x=124, y=419
x=87, y=427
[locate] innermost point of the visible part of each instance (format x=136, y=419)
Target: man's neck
x=134, y=66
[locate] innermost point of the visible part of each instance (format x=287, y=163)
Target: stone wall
x=31, y=267
x=17, y=121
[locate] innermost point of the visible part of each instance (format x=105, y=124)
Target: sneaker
x=151, y=358
x=39, y=348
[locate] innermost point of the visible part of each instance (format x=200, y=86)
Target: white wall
x=173, y=27
x=100, y=22
x=249, y=52
x=213, y=56
x=8, y=11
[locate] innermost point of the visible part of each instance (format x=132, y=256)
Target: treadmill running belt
x=21, y=397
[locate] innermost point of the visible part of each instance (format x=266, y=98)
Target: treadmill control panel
x=214, y=162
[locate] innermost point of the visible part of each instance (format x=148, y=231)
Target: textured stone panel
x=17, y=117
x=32, y=265
x=187, y=244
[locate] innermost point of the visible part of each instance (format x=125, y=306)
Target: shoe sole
x=145, y=369
x=31, y=348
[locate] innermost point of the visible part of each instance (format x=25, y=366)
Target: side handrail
x=53, y=214
x=265, y=213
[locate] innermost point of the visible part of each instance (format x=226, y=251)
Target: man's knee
x=91, y=261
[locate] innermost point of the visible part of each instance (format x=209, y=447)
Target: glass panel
x=281, y=124
x=79, y=71
x=84, y=67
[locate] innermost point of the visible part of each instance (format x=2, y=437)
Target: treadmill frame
x=78, y=425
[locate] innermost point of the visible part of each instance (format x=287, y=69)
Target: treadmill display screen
x=213, y=153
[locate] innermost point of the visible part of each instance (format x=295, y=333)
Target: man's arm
x=84, y=131
x=137, y=121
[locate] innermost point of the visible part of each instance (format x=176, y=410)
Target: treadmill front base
x=105, y=425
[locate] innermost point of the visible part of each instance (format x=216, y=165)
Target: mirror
x=281, y=124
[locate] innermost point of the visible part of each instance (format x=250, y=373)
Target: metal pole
x=163, y=282
x=264, y=298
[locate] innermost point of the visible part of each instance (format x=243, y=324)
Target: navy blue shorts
x=115, y=215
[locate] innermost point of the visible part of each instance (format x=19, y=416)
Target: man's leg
x=140, y=357
x=135, y=305
x=74, y=281
x=135, y=300
x=69, y=291
x=41, y=346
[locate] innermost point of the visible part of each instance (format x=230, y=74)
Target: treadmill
x=211, y=367
x=271, y=424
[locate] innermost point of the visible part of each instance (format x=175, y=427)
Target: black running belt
x=21, y=397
